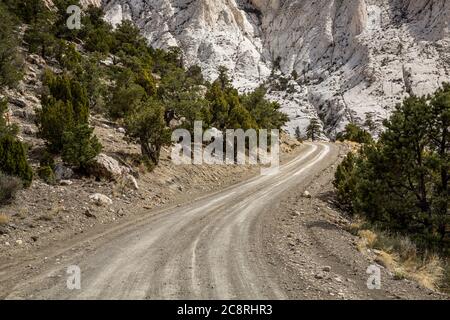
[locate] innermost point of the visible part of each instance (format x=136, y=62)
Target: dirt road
x=216, y=247
x=209, y=248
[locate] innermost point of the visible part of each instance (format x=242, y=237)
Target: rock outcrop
x=353, y=59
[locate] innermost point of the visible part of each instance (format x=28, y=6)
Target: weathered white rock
x=104, y=166
x=353, y=58
x=101, y=200
x=62, y=172
x=131, y=181
x=306, y=194
x=66, y=182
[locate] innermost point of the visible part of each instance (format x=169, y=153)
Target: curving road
x=210, y=248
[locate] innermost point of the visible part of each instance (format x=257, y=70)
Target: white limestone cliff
x=353, y=58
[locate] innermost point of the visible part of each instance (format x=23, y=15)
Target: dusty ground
x=259, y=239
x=309, y=237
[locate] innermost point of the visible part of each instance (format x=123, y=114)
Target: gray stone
x=62, y=172
x=18, y=102
x=100, y=200
x=107, y=167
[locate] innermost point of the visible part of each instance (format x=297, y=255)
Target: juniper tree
x=313, y=129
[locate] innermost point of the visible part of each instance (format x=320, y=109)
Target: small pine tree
x=298, y=134
x=13, y=156
x=313, y=130
x=13, y=159
x=64, y=106
x=80, y=146
x=11, y=63
x=54, y=119
x=356, y=134
x=147, y=126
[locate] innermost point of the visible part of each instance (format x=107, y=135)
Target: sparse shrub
x=148, y=128
x=9, y=185
x=11, y=63
x=4, y=219
x=356, y=134
x=401, y=182
x=80, y=146
x=46, y=173
x=47, y=160
x=65, y=104
x=313, y=130
x=368, y=237
x=53, y=119
x=13, y=159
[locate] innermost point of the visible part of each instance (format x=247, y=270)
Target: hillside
x=352, y=60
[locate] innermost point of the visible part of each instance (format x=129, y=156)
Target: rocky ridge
x=353, y=59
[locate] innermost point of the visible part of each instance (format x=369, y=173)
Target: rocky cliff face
x=353, y=59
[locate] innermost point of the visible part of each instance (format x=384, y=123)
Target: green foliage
x=195, y=74
x=217, y=98
x=265, y=113
x=96, y=32
x=401, y=182
x=127, y=95
x=68, y=56
x=40, y=34
x=64, y=105
x=128, y=41
x=93, y=77
x=26, y=10
x=13, y=159
x=80, y=146
x=47, y=160
x=344, y=181
x=46, y=173
x=46, y=168
x=69, y=90
x=13, y=156
x=63, y=120
x=55, y=117
x=10, y=60
x=146, y=126
x=313, y=129
x=356, y=134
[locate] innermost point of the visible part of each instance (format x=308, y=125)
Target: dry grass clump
x=368, y=239
x=51, y=214
x=400, y=255
x=9, y=186
x=4, y=219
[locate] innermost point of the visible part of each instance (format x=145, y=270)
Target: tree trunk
x=150, y=152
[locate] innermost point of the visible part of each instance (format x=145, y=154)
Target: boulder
x=326, y=269
x=100, y=200
x=106, y=167
x=307, y=195
x=66, y=182
x=62, y=172
x=28, y=130
x=18, y=102
x=131, y=182
x=20, y=114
